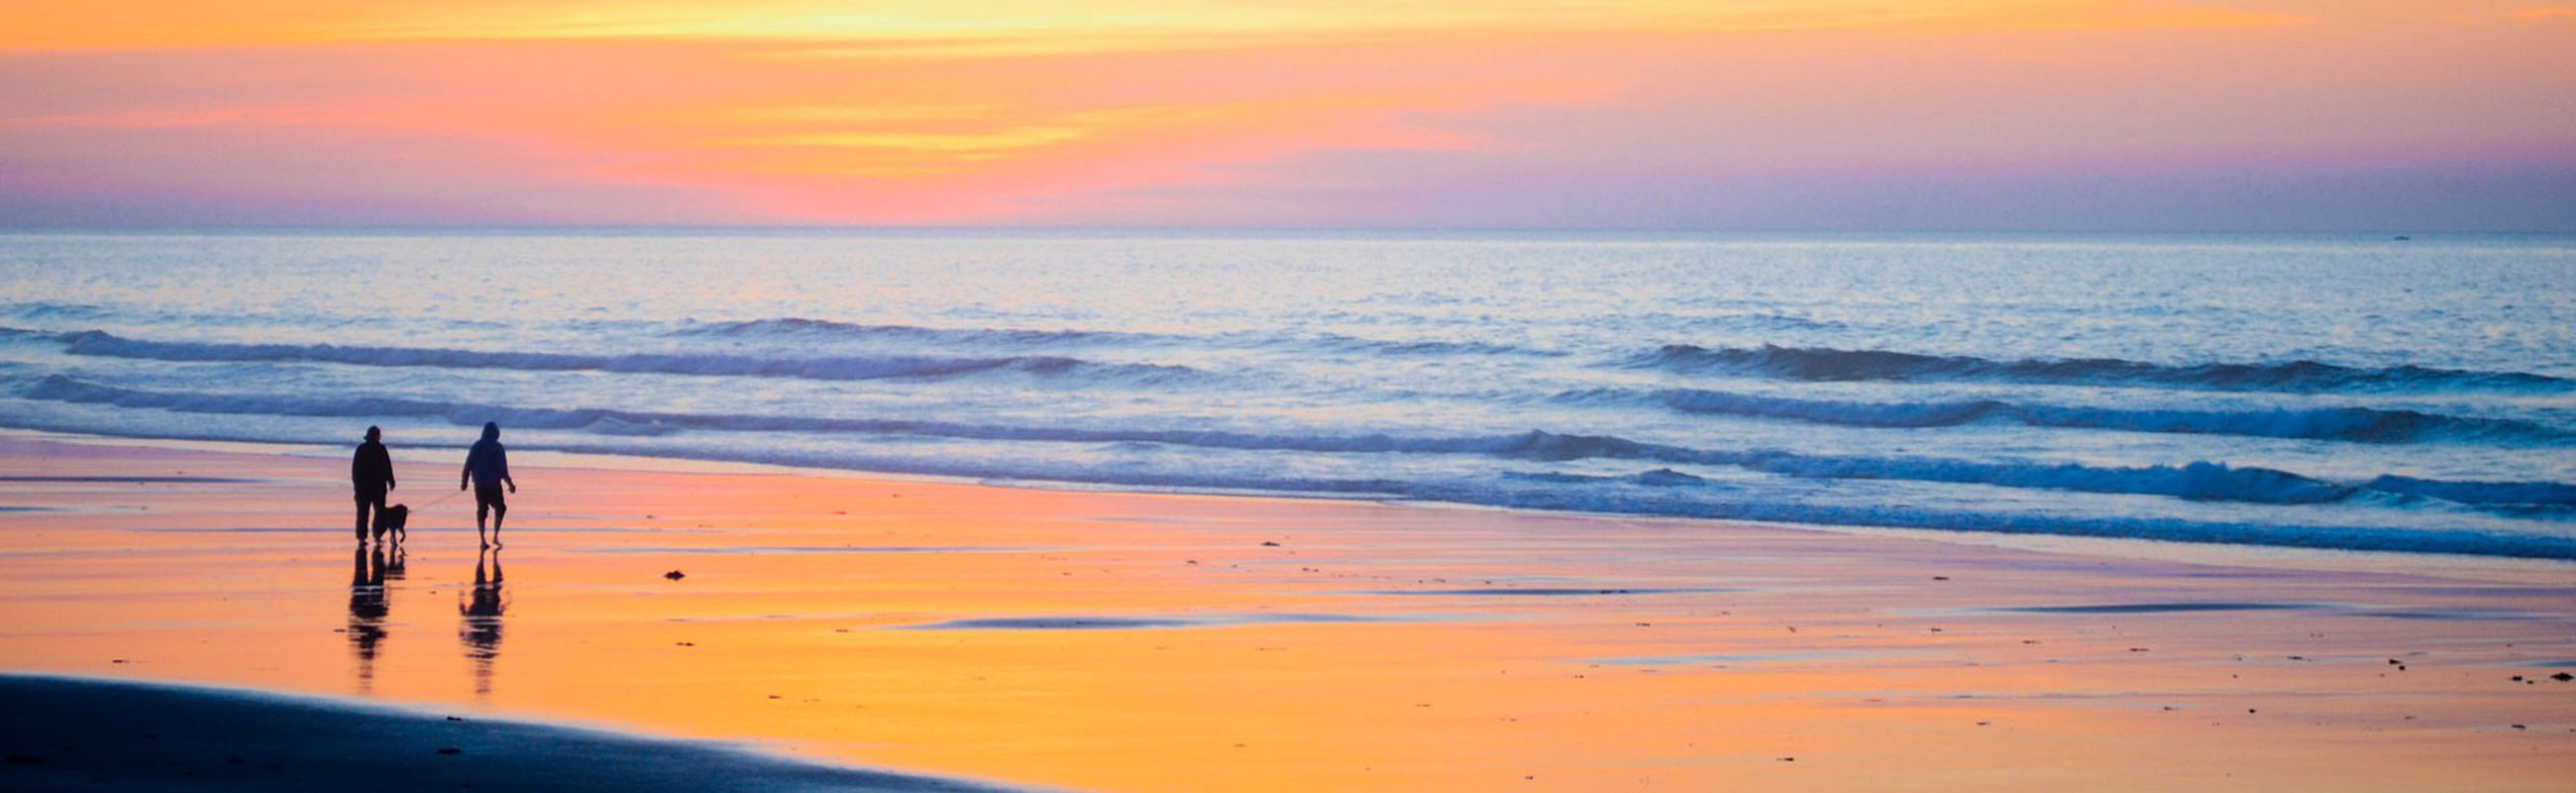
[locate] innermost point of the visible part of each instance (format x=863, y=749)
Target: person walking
x=371, y=474
x=487, y=465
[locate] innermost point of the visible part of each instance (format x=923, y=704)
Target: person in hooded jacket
x=371, y=474
x=487, y=465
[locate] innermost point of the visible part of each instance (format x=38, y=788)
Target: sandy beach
x=1123, y=642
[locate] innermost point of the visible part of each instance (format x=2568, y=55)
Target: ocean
x=2344, y=392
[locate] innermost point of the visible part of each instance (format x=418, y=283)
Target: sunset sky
x=2395, y=115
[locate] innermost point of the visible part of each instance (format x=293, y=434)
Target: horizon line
x=758, y=228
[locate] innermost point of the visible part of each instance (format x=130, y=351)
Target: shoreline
x=1157, y=642
x=2539, y=569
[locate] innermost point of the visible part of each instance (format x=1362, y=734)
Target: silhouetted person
x=482, y=628
x=367, y=609
x=371, y=474
x=489, y=468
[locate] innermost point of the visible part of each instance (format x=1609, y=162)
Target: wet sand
x=1125, y=642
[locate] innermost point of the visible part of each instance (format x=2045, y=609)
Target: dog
x=390, y=520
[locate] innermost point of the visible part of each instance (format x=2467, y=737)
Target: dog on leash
x=390, y=520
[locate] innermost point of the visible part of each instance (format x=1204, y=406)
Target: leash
x=441, y=499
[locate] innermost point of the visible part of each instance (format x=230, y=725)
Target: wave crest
x=2300, y=376
x=2349, y=424
x=104, y=344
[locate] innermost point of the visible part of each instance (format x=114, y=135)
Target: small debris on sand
x=2562, y=677
x=675, y=575
x=1269, y=544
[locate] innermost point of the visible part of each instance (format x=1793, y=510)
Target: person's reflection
x=367, y=611
x=482, y=608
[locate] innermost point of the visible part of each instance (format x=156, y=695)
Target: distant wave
x=802, y=328
x=2352, y=424
x=1336, y=341
x=799, y=328
x=104, y=344
x=2200, y=481
x=78, y=312
x=2303, y=376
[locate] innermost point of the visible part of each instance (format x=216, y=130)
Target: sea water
x=2353, y=392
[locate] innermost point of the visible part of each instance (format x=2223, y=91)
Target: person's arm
x=388, y=459
x=502, y=458
x=468, y=473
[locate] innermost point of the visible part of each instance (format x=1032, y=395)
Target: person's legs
x=371, y=507
x=489, y=498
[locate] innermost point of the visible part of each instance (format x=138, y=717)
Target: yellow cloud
x=932, y=140
x=2546, y=13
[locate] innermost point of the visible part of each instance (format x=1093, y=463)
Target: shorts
x=488, y=496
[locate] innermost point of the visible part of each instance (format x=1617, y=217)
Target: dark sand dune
x=84, y=734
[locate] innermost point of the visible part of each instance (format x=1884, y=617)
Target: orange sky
x=1648, y=113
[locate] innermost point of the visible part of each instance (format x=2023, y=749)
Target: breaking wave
x=2302, y=376
x=2350, y=424
x=1673, y=493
